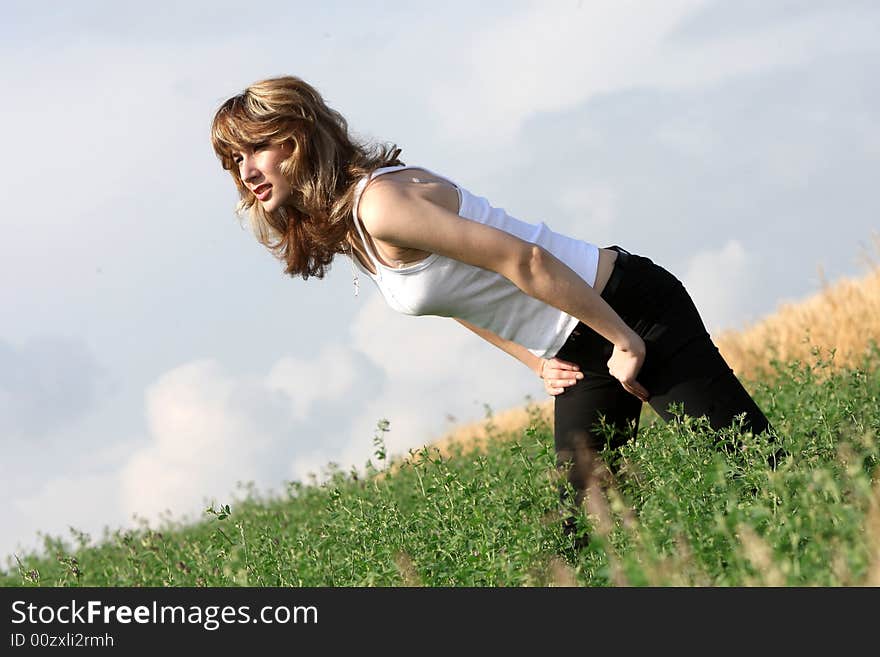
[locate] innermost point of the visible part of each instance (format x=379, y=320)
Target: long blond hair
x=326, y=163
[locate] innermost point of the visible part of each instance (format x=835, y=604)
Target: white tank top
x=442, y=286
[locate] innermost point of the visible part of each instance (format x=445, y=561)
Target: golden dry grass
x=844, y=316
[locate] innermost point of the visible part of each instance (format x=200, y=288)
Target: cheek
x=278, y=173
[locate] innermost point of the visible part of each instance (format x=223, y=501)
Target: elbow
x=537, y=259
x=531, y=264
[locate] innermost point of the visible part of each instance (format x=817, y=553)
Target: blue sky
x=153, y=355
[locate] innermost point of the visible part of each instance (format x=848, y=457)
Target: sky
x=154, y=358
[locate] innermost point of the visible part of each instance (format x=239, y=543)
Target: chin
x=273, y=204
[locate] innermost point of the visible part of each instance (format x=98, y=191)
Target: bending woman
x=605, y=329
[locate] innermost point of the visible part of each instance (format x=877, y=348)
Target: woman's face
x=259, y=168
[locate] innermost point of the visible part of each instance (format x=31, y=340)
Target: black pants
x=682, y=365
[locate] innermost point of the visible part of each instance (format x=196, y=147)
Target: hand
x=559, y=374
x=625, y=363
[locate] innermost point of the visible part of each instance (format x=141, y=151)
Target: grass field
x=480, y=507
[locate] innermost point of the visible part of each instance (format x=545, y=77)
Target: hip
x=651, y=301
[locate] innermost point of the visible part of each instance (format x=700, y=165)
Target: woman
x=605, y=329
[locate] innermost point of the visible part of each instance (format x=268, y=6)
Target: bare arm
x=519, y=352
x=399, y=214
x=556, y=373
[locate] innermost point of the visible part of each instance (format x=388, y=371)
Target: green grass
x=680, y=512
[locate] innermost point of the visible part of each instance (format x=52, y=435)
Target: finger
x=564, y=365
x=564, y=382
x=565, y=375
x=637, y=389
x=630, y=390
x=644, y=395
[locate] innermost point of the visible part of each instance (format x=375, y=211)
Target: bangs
x=235, y=127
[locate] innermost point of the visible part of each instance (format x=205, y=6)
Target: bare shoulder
x=406, y=190
x=379, y=200
x=407, y=215
x=379, y=193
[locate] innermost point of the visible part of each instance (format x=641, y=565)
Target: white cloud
x=202, y=442
x=406, y=347
x=720, y=282
x=551, y=57
x=210, y=430
x=593, y=203
x=328, y=377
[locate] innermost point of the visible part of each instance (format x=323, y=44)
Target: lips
x=261, y=190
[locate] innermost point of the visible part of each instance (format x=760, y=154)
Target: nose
x=248, y=169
